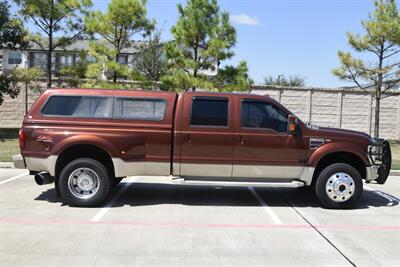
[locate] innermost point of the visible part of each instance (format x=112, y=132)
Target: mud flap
x=384, y=170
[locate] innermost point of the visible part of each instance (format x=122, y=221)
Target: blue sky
x=282, y=36
x=275, y=37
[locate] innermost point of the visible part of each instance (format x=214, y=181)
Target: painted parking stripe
x=106, y=208
x=267, y=208
x=339, y=227
x=14, y=178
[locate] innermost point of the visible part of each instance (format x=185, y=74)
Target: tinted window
x=140, y=109
x=263, y=115
x=209, y=111
x=94, y=107
x=61, y=105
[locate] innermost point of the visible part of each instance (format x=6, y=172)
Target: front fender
x=335, y=147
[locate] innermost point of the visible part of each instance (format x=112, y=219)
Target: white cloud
x=245, y=19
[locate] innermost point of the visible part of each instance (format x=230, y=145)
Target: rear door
x=207, y=135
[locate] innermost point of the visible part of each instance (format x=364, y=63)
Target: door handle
x=242, y=140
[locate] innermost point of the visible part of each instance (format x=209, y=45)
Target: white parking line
x=105, y=209
x=14, y=178
x=267, y=208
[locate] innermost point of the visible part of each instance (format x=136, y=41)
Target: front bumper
x=19, y=162
x=380, y=156
x=372, y=173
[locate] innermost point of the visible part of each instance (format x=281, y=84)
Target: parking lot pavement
x=149, y=221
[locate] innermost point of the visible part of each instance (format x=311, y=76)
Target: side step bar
x=183, y=181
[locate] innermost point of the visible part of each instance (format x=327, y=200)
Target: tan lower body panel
x=123, y=168
x=205, y=170
x=302, y=173
x=42, y=164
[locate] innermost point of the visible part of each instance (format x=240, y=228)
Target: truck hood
x=337, y=134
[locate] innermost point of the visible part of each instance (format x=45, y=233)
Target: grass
x=395, y=146
x=9, y=146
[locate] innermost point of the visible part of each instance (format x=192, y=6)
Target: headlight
x=375, y=152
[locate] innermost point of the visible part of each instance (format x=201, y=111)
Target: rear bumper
x=19, y=162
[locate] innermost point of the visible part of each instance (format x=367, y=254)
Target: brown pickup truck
x=87, y=140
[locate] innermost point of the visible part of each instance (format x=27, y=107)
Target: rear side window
x=211, y=111
x=61, y=105
x=94, y=107
x=263, y=115
x=139, y=109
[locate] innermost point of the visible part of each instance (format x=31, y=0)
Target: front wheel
x=84, y=182
x=339, y=186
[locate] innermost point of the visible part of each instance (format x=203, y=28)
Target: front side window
x=209, y=111
x=257, y=114
x=139, y=109
x=14, y=57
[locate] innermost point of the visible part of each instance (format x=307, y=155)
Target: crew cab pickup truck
x=87, y=140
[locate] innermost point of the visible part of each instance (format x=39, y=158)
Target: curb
x=395, y=173
x=7, y=165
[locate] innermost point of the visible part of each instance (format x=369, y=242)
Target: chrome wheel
x=340, y=187
x=83, y=183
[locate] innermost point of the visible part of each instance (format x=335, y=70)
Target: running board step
x=183, y=181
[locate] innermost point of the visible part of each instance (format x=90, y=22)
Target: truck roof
x=126, y=92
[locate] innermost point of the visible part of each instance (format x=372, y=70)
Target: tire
x=339, y=186
x=84, y=182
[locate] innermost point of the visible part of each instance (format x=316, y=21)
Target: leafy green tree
x=28, y=78
x=73, y=74
x=151, y=60
x=381, y=43
x=12, y=36
x=8, y=86
x=231, y=78
x=282, y=80
x=203, y=38
x=122, y=20
x=59, y=21
x=12, y=32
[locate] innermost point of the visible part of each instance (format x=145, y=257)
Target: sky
x=290, y=37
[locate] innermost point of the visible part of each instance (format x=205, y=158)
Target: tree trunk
x=377, y=109
x=26, y=98
x=50, y=48
x=115, y=75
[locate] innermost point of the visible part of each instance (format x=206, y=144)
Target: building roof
x=83, y=44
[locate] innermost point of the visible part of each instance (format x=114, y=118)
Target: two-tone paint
x=172, y=146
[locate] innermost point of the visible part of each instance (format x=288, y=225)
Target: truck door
x=207, y=135
x=263, y=148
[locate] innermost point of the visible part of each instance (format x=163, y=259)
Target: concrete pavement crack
x=315, y=228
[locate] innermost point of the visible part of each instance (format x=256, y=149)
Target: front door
x=207, y=135
x=263, y=148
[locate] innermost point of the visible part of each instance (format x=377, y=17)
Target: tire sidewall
x=320, y=186
x=104, y=182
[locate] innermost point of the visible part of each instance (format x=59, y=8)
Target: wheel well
x=84, y=151
x=340, y=157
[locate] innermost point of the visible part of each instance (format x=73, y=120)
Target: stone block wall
x=339, y=108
